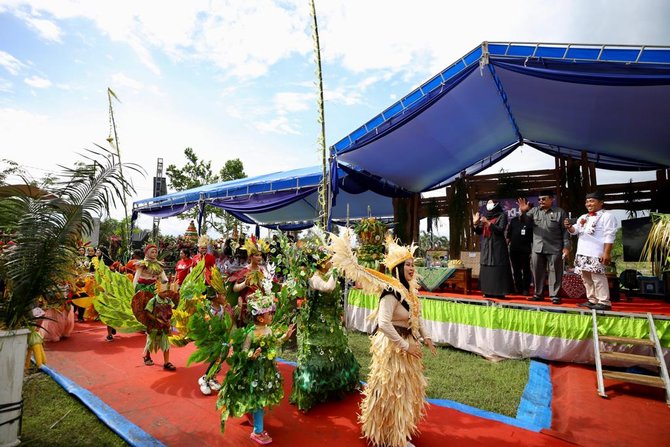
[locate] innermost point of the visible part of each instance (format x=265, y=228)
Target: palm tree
x=48, y=226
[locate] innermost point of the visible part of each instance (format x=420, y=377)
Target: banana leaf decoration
x=211, y=336
x=114, y=299
x=191, y=293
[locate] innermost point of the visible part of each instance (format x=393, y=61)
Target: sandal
x=148, y=361
x=261, y=438
x=109, y=338
x=169, y=367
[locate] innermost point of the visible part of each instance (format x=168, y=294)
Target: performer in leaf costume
x=246, y=281
x=153, y=306
x=394, y=398
x=326, y=365
x=253, y=381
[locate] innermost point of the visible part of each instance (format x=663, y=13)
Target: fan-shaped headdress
x=254, y=246
x=396, y=253
x=203, y=241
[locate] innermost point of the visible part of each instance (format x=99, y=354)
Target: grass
x=53, y=417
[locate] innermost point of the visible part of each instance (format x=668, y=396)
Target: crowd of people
x=241, y=301
x=240, y=309
x=533, y=247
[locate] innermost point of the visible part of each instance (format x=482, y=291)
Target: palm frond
x=48, y=228
x=657, y=246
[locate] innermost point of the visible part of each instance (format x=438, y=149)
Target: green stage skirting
x=495, y=331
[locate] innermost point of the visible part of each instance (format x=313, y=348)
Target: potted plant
x=657, y=246
x=47, y=226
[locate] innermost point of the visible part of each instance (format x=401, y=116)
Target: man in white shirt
x=596, y=231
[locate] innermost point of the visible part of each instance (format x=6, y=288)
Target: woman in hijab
x=495, y=275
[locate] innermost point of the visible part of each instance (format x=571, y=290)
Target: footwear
x=113, y=331
x=204, y=387
x=555, y=300
x=109, y=338
x=588, y=304
x=535, y=298
x=261, y=438
x=148, y=361
x=169, y=367
x=599, y=306
x=214, y=385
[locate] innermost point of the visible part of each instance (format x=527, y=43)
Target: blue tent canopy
x=286, y=199
x=608, y=101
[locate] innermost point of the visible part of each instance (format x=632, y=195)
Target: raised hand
x=523, y=204
x=475, y=218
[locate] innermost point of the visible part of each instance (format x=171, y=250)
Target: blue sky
x=235, y=79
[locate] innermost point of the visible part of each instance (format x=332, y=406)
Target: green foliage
x=48, y=228
x=211, y=336
x=197, y=173
x=7, y=169
x=114, y=300
x=370, y=232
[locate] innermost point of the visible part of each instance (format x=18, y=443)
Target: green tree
x=48, y=226
x=8, y=168
x=197, y=173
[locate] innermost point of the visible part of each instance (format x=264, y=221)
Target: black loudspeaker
x=634, y=234
x=160, y=186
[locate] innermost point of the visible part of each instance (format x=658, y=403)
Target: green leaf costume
x=326, y=367
x=250, y=383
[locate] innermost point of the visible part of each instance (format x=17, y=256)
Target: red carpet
x=170, y=407
x=631, y=416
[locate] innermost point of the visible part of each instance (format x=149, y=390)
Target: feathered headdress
x=396, y=253
x=372, y=281
x=254, y=246
x=262, y=300
x=203, y=241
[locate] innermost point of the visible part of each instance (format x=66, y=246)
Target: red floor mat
x=631, y=416
x=169, y=405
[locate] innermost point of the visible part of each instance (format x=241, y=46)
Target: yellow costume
x=394, y=399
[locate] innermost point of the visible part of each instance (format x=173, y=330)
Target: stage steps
x=657, y=360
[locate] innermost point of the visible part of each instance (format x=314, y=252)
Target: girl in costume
x=183, y=266
x=253, y=381
x=393, y=401
x=247, y=280
x=148, y=276
x=326, y=365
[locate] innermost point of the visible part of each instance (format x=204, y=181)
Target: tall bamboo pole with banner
x=114, y=142
x=324, y=197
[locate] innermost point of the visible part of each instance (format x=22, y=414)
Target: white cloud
x=37, y=82
x=121, y=80
x=280, y=125
x=343, y=95
x=10, y=63
x=294, y=102
x=47, y=29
